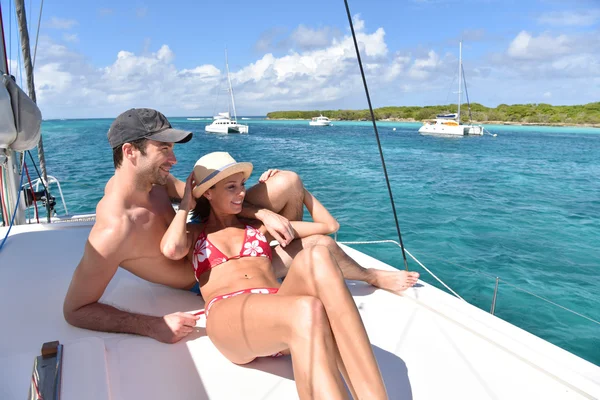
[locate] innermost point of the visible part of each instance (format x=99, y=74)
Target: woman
x=311, y=315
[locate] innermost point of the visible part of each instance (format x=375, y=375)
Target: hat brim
x=171, y=135
x=214, y=176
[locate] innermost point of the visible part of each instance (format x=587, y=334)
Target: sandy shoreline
x=558, y=124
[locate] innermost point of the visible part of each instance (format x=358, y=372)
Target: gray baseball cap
x=139, y=123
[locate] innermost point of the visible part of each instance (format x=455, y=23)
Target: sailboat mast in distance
x=459, y=79
x=230, y=86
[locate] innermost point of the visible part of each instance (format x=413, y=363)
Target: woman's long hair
x=202, y=210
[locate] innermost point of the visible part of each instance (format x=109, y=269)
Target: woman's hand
x=188, y=202
x=277, y=225
x=267, y=174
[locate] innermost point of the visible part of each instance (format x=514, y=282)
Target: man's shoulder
x=160, y=193
x=112, y=218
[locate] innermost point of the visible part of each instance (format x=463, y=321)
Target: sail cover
x=20, y=117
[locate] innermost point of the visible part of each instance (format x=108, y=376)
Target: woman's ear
x=207, y=194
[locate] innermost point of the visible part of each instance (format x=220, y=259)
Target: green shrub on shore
x=516, y=113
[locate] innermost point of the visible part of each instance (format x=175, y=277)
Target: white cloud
x=545, y=46
x=423, y=67
x=325, y=75
x=307, y=38
x=548, y=95
x=570, y=18
x=358, y=23
x=60, y=23
x=71, y=37
x=549, y=57
x=270, y=40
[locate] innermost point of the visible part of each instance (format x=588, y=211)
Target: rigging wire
x=447, y=101
x=471, y=270
x=37, y=35
x=39, y=175
x=387, y=180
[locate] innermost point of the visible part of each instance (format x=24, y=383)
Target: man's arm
x=175, y=188
x=95, y=270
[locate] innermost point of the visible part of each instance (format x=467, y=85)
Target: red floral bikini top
x=207, y=256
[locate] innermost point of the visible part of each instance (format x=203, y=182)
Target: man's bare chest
x=149, y=227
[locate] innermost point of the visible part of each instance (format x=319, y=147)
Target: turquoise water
x=524, y=206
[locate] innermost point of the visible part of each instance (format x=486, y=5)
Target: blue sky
x=96, y=59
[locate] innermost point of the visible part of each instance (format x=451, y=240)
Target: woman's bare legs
x=314, y=272
x=253, y=325
x=283, y=193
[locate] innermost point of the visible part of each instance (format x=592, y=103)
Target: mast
x=9, y=161
x=459, y=78
x=230, y=87
x=26, y=50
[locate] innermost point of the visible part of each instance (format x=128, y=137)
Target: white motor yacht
x=320, y=121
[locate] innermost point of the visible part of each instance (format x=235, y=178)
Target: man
x=136, y=210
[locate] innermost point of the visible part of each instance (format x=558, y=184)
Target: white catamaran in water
x=222, y=122
x=449, y=124
x=429, y=344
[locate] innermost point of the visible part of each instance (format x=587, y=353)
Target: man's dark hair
x=139, y=144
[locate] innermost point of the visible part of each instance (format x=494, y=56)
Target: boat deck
x=429, y=345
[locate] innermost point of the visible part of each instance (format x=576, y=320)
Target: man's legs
x=283, y=193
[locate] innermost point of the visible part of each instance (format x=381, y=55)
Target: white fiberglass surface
x=428, y=344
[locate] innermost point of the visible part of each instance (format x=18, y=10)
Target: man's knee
x=286, y=181
x=327, y=241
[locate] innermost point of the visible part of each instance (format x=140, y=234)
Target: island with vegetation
x=522, y=114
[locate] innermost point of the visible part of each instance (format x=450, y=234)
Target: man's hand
x=278, y=226
x=173, y=327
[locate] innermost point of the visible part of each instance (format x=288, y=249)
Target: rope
x=413, y=257
x=12, y=221
x=38, y=173
x=37, y=217
x=387, y=179
x=34, y=379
